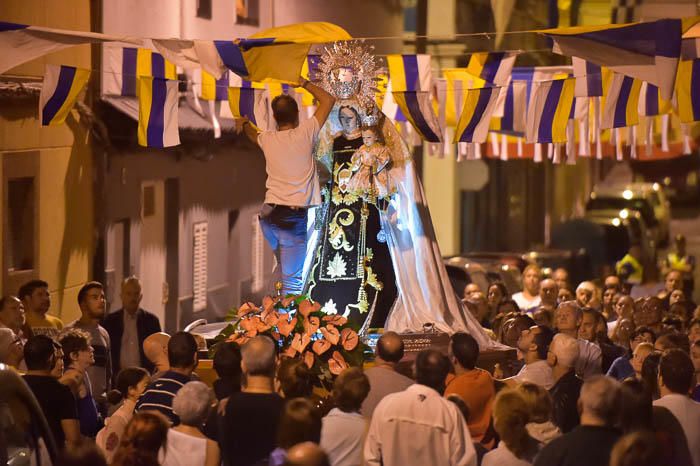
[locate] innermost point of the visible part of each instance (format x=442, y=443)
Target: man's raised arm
x=325, y=101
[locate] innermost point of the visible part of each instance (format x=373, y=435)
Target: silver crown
x=370, y=117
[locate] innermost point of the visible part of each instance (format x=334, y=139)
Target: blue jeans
x=285, y=230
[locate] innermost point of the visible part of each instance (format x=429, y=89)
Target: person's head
x=695, y=356
x=649, y=313
x=432, y=368
x=349, y=119
x=624, y=307
x=507, y=306
x=496, y=293
x=635, y=251
x=674, y=281
x=561, y=277
x=193, y=403
x=563, y=351
x=510, y=417
x=227, y=363
x=641, y=335
x=182, y=351
x=676, y=297
x=463, y=350
x=669, y=341
x=155, y=347
x=85, y=453
x=568, y=317
x=469, y=289
x=11, y=312
x=11, y=351
x=371, y=135
x=295, y=378
x=676, y=372
x=300, y=422
x=535, y=341
x=549, y=292
x=285, y=111
x=599, y=402
x=612, y=281
x=40, y=353
x=589, y=324
x=350, y=389
x=513, y=328
x=35, y=296
x=609, y=299
x=131, y=294
x=585, y=293
x=306, y=454
x=91, y=299
x=639, y=448
x=390, y=347
x=258, y=357
x=565, y=295
x=622, y=333
x=144, y=437
x=531, y=279
x=477, y=305
x=639, y=354
x=694, y=330
x=130, y=383
x=77, y=350
x=636, y=412
x=538, y=401
x=650, y=373
x=544, y=315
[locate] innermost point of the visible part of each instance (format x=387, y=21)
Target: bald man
x=155, y=348
x=306, y=454
x=383, y=377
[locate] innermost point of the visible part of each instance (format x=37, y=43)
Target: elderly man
x=12, y=339
x=568, y=319
x=383, y=377
x=549, y=293
x=561, y=277
x=418, y=425
x=624, y=308
x=128, y=327
x=591, y=443
x=585, y=294
x=529, y=298
x=562, y=357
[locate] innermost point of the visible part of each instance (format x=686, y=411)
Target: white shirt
x=289, y=162
x=538, y=373
x=687, y=412
x=342, y=437
x=184, y=450
x=526, y=304
x=502, y=456
x=418, y=426
x=589, y=362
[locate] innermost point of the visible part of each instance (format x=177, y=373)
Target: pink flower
x=284, y=326
x=311, y=325
x=289, y=352
x=247, y=308
x=337, y=364
x=309, y=359
x=321, y=346
x=335, y=319
x=300, y=342
x=331, y=334
x=306, y=307
x=349, y=339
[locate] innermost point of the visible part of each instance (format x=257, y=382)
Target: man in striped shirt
x=182, y=354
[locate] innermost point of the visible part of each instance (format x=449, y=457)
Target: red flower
x=246, y=309
x=337, y=364
x=335, y=319
x=239, y=338
x=311, y=325
x=300, y=342
x=306, y=307
x=268, y=303
x=289, y=352
x=349, y=339
x=331, y=334
x=284, y=326
x=252, y=325
x=309, y=359
x=321, y=346
x=270, y=316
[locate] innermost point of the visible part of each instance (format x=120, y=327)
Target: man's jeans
x=285, y=229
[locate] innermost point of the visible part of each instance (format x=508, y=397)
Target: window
x=149, y=200
x=199, y=265
x=20, y=224
x=248, y=12
x=204, y=9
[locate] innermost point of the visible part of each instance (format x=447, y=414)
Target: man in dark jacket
x=562, y=356
x=128, y=327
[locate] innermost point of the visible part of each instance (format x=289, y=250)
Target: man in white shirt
x=418, y=425
x=534, y=346
x=676, y=379
x=529, y=298
x=568, y=319
x=292, y=182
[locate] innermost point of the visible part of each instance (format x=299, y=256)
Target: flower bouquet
x=325, y=342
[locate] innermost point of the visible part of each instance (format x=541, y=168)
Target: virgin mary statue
x=374, y=257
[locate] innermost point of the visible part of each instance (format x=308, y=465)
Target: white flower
x=337, y=267
x=329, y=307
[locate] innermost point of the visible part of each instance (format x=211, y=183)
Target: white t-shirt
x=289, y=162
x=526, y=304
x=538, y=373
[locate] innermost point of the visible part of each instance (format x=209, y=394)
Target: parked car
x=639, y=232
x=463, y=271
x=647, y=198
x=679, y=177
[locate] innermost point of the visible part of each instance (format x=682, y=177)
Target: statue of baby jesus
x=370, y=167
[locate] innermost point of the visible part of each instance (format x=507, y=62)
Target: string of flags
x=625, y=81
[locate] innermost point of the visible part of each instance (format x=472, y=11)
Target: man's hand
x=240, y=121
x=301, y=83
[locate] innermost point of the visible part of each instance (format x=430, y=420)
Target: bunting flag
x=688, y=90
x=61, y=87
x=621, y=102
x=479, y=105
x=214, y=89
x=418, y=110
x=589, y=78
x=250, y=103
x=645, y=51
x=124, y=65
x=158, y=112
x=514, y=109
x=457, y=81
x=551, y=107
x=309, y=70
x=494, y=68
x=651, y=103
x=409, y=72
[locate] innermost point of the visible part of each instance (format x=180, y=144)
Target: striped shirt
x=160, y=393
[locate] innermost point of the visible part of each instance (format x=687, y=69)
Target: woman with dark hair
x=227, y=365
x=300, y=422
x=496, y=293
x=295, y=379
x=131, y=383
x=144, y=438
x=650, y=374
x=511, y=415
x=78, y=355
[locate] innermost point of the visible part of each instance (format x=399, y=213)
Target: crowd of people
x=601, y=378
